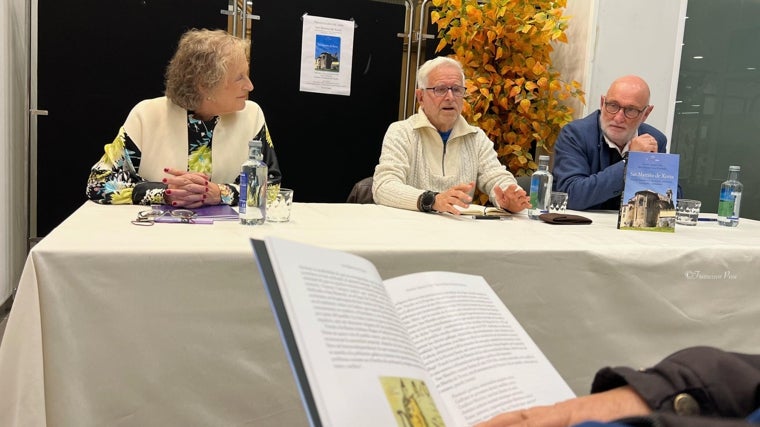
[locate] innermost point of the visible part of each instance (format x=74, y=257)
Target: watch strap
x=426, y=201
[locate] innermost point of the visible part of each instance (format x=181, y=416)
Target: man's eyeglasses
x=629, y=112
x=457, y=91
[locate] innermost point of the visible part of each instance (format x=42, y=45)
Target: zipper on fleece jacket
x=443, y=160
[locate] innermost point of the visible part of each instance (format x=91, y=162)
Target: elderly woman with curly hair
x=185, y=149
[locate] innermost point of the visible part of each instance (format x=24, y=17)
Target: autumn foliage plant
x=513, y=93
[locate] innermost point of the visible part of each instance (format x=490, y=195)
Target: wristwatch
x=426, y=201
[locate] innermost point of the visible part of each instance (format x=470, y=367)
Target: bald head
x=632, y=88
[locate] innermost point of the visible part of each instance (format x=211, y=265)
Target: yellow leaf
x=530, y=85
x=524, y=105
x=441, y=45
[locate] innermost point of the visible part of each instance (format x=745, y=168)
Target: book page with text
x=481, y=360
x=474, y=209
x=358, y=358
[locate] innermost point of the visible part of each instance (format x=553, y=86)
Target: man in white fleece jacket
x=433, y=160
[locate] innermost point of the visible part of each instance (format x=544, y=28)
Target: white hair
x=432, y=64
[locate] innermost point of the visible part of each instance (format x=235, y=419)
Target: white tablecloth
x=115, y=324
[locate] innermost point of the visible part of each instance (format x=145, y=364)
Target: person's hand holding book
x=607, y=406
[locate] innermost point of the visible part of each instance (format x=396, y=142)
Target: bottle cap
x=735, y=168
x=254, y=143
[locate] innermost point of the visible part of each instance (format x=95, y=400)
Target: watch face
x=428, y=200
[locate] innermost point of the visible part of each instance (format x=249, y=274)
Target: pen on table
x=489, y=217
x=707, y=219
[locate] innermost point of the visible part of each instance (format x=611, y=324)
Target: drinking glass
x=278, y=207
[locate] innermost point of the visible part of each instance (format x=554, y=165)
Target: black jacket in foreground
x=697, y=386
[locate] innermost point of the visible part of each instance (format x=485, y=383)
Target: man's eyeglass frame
x=628, y=112
x=456, y=91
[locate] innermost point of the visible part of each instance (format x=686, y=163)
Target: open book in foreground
x=429, y=349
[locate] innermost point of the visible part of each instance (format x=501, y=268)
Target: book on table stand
x=648, y=201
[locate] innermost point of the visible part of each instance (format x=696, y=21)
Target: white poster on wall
x=327, y=48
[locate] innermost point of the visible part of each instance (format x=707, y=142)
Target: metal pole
x=420, y=36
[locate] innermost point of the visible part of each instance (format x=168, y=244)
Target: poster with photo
x=326, y=55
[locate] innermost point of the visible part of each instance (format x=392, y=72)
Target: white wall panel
x=640, y=37
x=14, y=51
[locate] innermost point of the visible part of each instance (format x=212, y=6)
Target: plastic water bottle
x=253, y=186
x=540, y=189
x=730, y=198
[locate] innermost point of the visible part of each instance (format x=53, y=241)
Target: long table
x=115, y=324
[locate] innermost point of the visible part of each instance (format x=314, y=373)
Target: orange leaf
x=524, y=105
x=441, y=44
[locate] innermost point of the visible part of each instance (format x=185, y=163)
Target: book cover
x=212, y=212
x=649, y=195
x=217, y=212
x=431, y=348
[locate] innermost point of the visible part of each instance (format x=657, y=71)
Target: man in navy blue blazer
x=590, y=153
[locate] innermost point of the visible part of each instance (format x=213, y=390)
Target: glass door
x=717, y=119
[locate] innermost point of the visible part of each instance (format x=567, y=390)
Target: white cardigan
x=159, y=129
